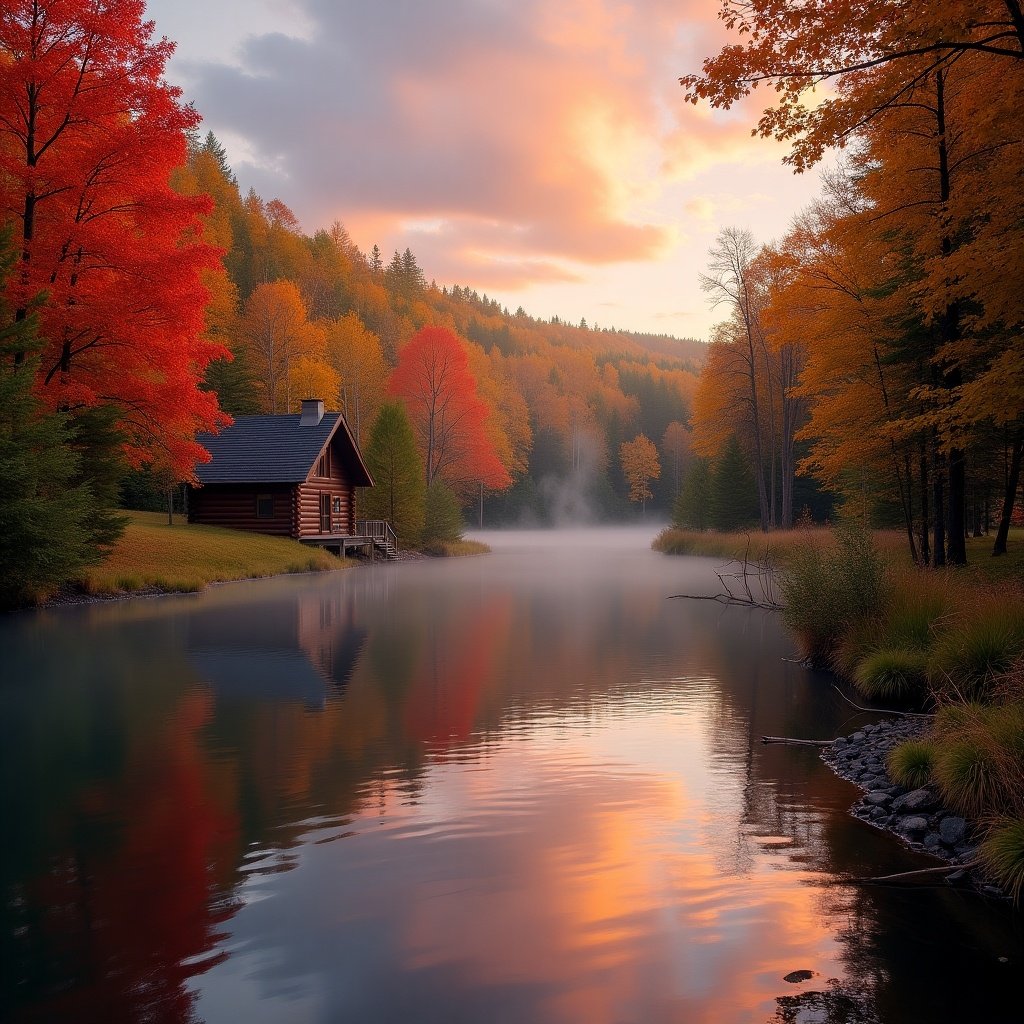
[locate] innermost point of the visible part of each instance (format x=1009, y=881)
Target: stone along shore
x=916, y=815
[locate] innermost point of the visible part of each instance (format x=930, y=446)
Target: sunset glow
x=541, y=153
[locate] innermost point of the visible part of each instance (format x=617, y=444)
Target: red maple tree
x=434, y=380
x=89, y=135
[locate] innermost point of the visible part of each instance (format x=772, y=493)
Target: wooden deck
x=374, y=538
x=340, y=543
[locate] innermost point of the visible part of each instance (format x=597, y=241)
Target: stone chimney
x=312, y=412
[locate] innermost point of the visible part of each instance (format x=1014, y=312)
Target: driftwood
x=880, y=711
x=752, y=585
x=789, y=741
x=907, y=876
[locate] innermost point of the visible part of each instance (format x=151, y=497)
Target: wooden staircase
x=385, y=542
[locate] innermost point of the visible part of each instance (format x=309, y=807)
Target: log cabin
x=292, y=476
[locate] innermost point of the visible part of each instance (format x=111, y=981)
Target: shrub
x=970, y=658
x=1001, y=853
x=910, y=764
x=827, y=590
x=892, y=674
x=966, y=774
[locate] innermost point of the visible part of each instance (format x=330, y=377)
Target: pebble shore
x=916, y=816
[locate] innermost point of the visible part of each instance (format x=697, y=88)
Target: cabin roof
x=276, y=450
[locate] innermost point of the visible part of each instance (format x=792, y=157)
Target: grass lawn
x=185, y=557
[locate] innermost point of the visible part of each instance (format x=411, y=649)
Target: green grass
x=1002, y=854
x=981, y=643
x=152, y=555
x=910, y=764
x=892, y=674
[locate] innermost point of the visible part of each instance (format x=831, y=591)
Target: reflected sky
x=521, y=787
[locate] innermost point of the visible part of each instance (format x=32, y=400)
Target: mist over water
x=519, y=787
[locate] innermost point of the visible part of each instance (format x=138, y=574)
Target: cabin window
x=337, y=505
x=323, y=466
x=264, y=506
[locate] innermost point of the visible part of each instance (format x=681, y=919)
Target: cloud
x=530, y=135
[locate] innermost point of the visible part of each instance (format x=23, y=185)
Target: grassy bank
x=152, y=555
x=950, y=640
x=455, y=548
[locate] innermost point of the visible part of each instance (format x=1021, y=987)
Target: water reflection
x=523, y=787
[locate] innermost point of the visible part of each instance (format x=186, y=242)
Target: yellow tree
x=640, y=466
x=357, y=357
x=276, y=333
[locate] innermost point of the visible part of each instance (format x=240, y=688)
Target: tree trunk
x=926, y=553
x=1009, y=496
x=939, y=531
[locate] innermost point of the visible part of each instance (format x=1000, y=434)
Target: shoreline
x=70, y=596
x=917, y=817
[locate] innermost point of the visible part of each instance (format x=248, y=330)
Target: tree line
x=146, y=299
x=878, y=346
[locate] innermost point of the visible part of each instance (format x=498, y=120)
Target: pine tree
x=394, y=463
x=51, y=524
x=692, y=509
x=443, y=520
x=733, y=490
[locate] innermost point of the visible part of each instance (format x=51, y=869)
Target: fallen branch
x=880, y=711
x=796, y=743
x=736, y=586
x=726, y=599
x=903, y=876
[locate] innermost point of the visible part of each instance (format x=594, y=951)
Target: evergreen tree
x=51, y=524
x=376, y=260
x=734, y=503
x=443, y=520
x=692, y=508
x=395, y=465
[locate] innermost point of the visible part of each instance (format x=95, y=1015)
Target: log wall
x=234, y=506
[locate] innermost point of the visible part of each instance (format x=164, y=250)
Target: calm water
x=522, y=788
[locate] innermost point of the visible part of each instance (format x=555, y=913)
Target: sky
x=539, y=151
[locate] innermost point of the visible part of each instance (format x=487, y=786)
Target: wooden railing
x=380, y=532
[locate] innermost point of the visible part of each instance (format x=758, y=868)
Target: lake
x=523, y=787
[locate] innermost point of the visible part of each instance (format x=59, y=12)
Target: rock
x=839, y=742
x=914, y=824
x=857, y=737
x=953, y=831
x=956, y=876
x=794, y=977
x=932, y=841
x=916, y=800
x=878, y=799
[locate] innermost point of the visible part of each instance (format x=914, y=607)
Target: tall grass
x=827, y=589
x=981, y=646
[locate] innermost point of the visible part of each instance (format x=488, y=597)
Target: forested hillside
x=305, y=315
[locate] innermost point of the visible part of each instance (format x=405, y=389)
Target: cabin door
x=325, y=513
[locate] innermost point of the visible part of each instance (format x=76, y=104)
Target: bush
x=910, y=764
x=892, y=674
x=1002, y=854
x=969, y=659
x=828, y=590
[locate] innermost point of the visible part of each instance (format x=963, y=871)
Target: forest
x=871, y=359
x=877, y=346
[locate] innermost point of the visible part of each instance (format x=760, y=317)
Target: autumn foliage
x=434, y=381
x=89, y=136
x=897, y=295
